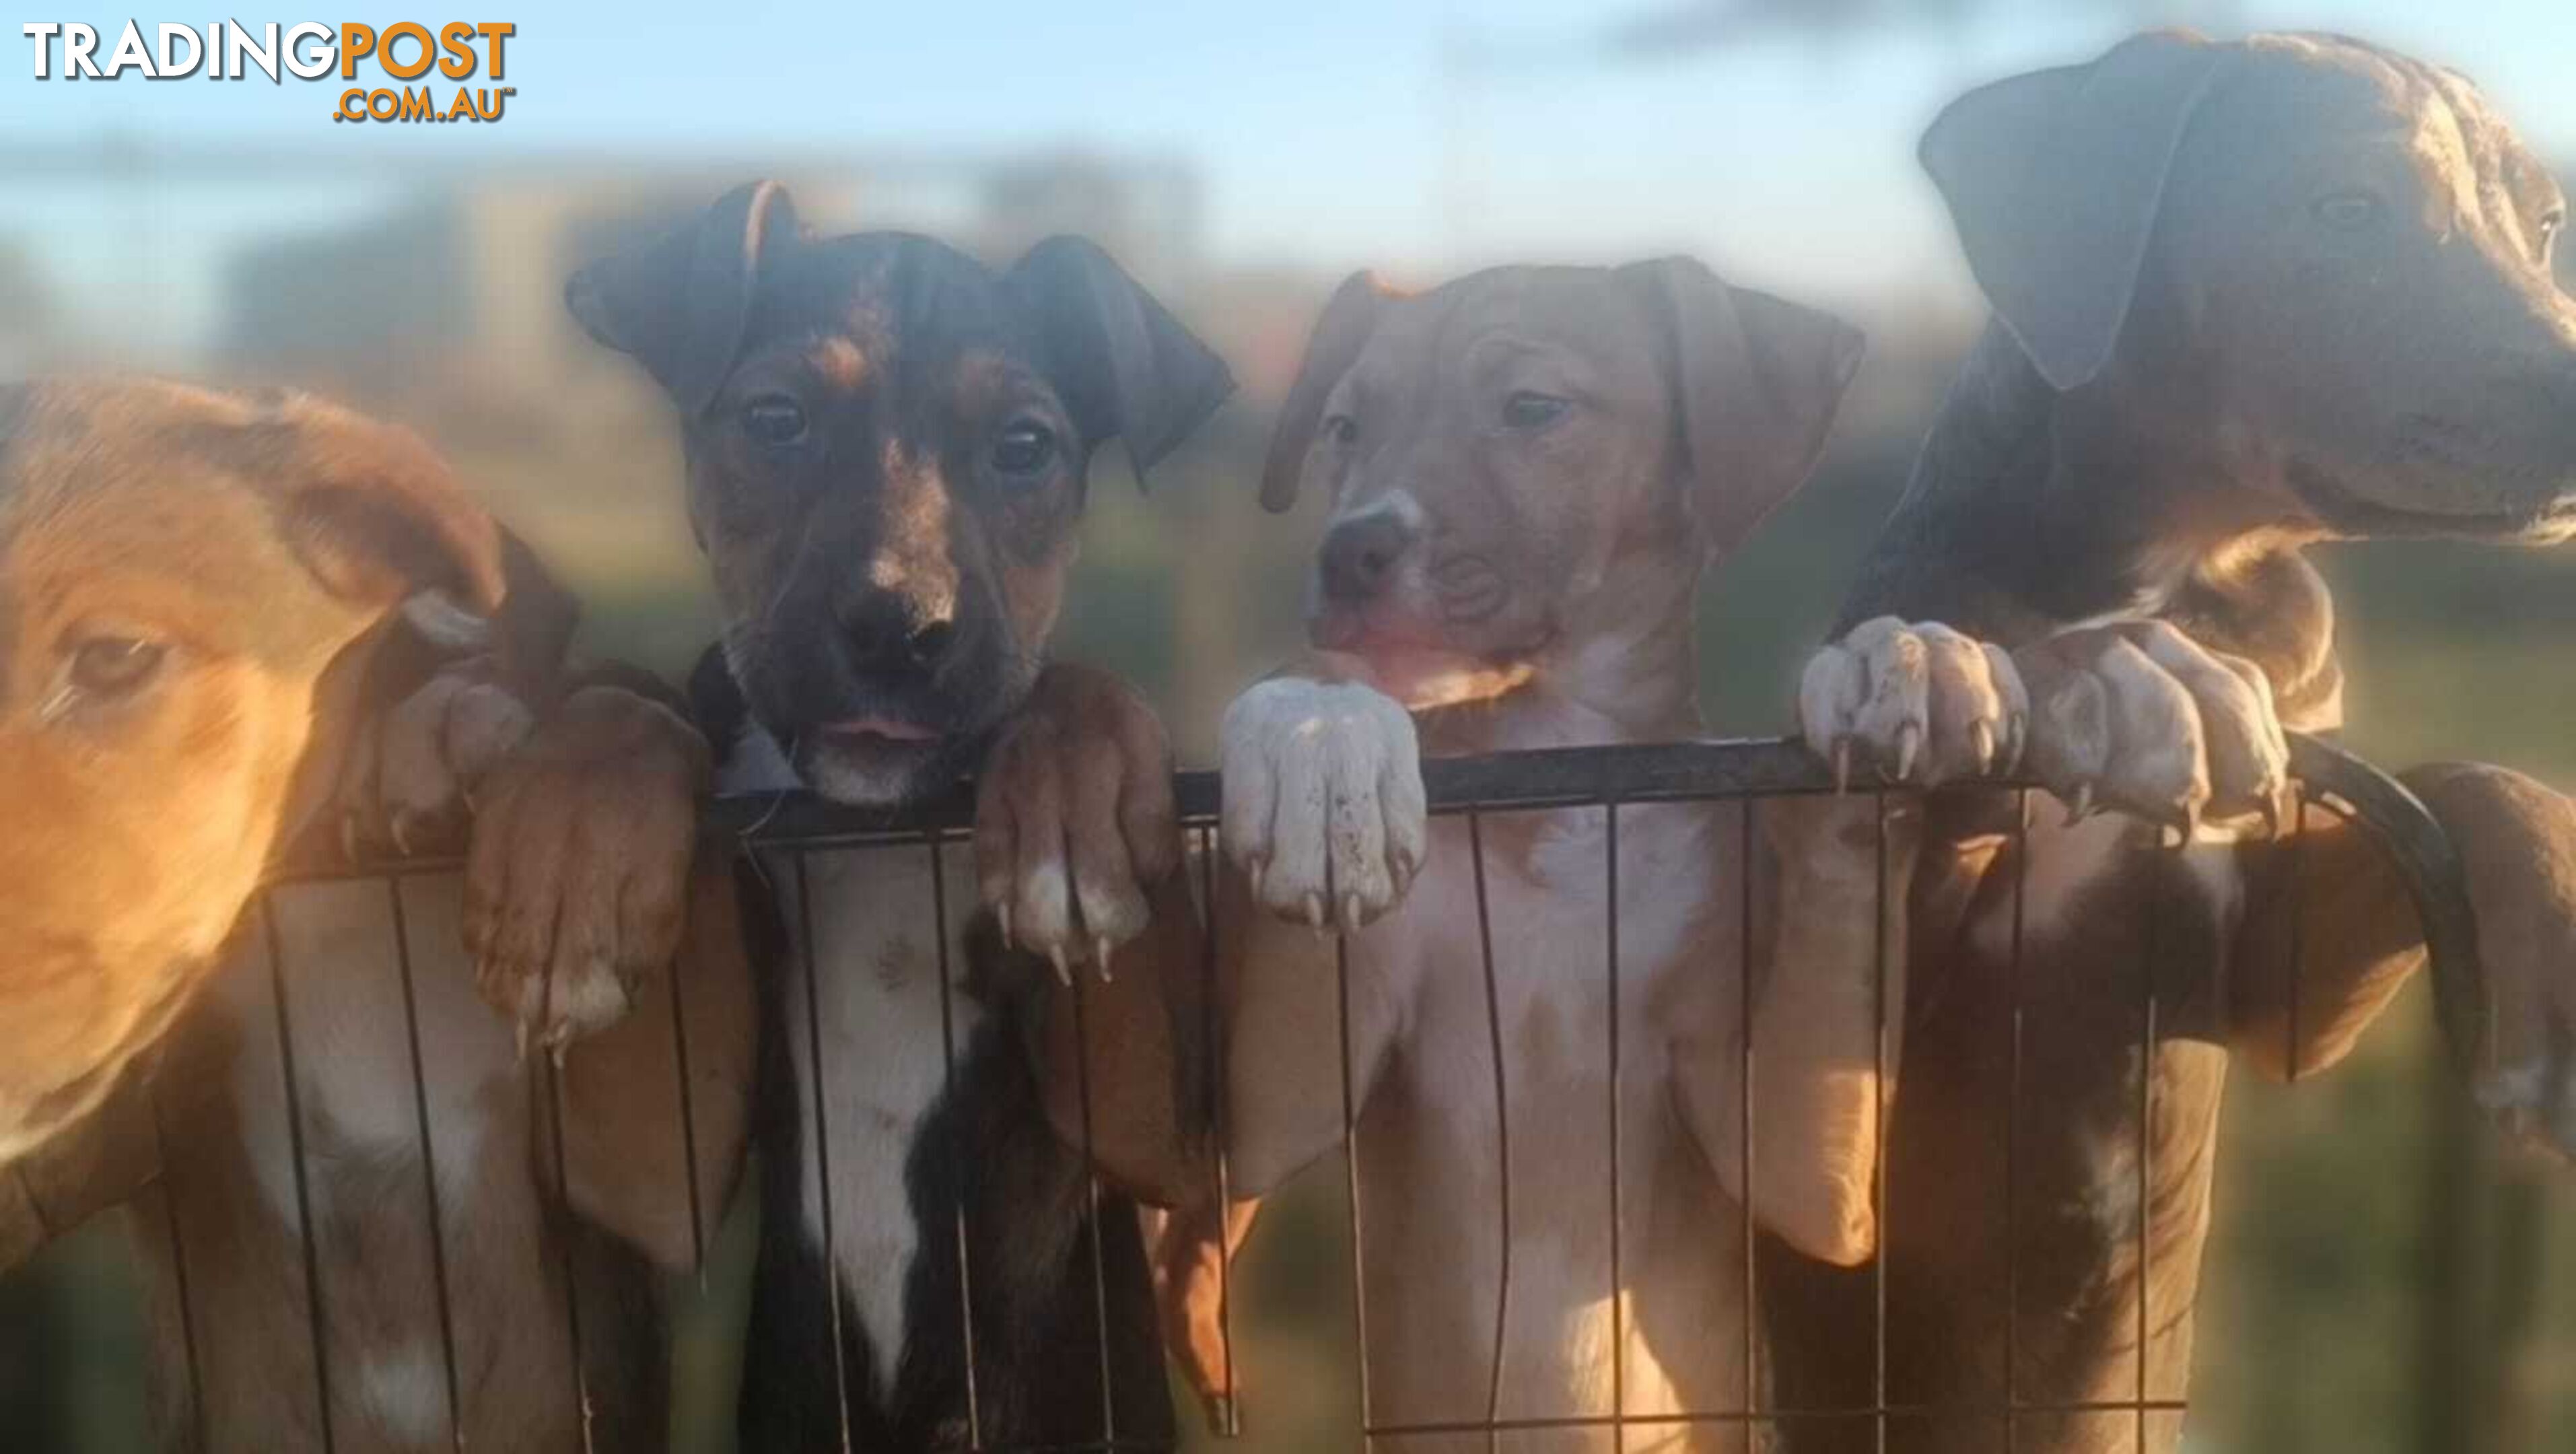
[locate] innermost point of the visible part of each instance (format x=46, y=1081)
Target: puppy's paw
x=577, y=874
x=1324, y=807
x=1074, y=819
x=2139, y=717
x=411, y=775
x=1920, y=703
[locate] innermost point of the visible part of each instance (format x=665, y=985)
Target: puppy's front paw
x=2137, y=716
x=1074, y=819
x=577, y=876
x=1919, y=702
x=411, y=775
x=1324, y=807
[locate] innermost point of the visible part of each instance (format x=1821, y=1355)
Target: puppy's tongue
x=887, y=728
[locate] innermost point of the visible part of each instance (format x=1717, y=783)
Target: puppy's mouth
x=2546, y=521
x=1416, y=666
x=872, y=731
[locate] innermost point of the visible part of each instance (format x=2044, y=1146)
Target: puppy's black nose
x=885, y=633
x=1360, y=555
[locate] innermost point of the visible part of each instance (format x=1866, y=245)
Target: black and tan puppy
x=2249, y=297
x=887, y=446
x=224, y=595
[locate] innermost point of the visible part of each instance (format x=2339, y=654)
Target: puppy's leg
x=592, y=921
x=1921, y=704
x=2334, y=894
x=1325, y=829
x=1078, y=857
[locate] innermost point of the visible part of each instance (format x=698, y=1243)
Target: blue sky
x=1324, y=130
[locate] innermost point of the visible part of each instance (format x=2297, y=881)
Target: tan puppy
x=1529, y=470
x=341, y=1156
x=191, y=586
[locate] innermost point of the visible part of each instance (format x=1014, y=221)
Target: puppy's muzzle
x=892, y=633
x=1360, y=556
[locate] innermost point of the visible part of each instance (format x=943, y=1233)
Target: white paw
x=2139, y=717
x=410, y=775
x=1920, y=703
x=1324, y=808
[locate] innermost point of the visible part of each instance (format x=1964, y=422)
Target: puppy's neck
x=1621, y=667
x=2030, y=510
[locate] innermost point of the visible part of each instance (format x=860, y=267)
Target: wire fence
x=794, y=830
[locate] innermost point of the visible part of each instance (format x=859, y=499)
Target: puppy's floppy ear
x=2054, y=180
x=1344, y=327
x=368, y=507
x=1756, y=383
x=1123, y=364
x=679, y=304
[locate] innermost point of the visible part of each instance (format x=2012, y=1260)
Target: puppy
x=887, y=445
x=195, y=586
x=333, y=1162
x=1529, y=470
x=2249, y=297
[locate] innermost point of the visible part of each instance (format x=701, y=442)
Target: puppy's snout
x=883, y=631
x=1360, y=556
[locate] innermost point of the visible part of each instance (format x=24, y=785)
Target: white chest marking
x=353, y=1053
x=878, y=1001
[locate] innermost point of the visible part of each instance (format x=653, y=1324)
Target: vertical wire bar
x=428, y=1165
x=179, y=1275
x=1351, y=1162
x=1878, y=1113
x=2146, y=1109
x=1502, y=1132
x=2298, y=853
x=688, y=1121
x=1618, y=1309
x=2012, y=1131
x=1091, y=1198
x=822, y=1146
x=1212, y=1037
x=1744, y=1096
x=957, y=1151
x=549, y=1084
x=314, y=1318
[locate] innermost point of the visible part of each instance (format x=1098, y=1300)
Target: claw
x=2189, y=828
x=2270, y=808
x=1842, y=766
x=1909, y=740
x=1100, y=952
x=1350, y=913
x=1315, y=912
x=1003, y=912
x=401, y=827
x=1981, y=741
x=1254, y=870
x=2077, y=810
x=1063, y=972
x=1405, y=869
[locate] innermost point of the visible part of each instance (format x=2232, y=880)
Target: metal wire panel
x=1609, y=781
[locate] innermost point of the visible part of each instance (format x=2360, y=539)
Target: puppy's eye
x=1024, y=449
x=1530, y=410
x=2349, y=211
x=774, y=419
x=1342, y=431
x=110, y=668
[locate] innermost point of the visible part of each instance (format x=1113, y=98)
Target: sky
x=1329, y=133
